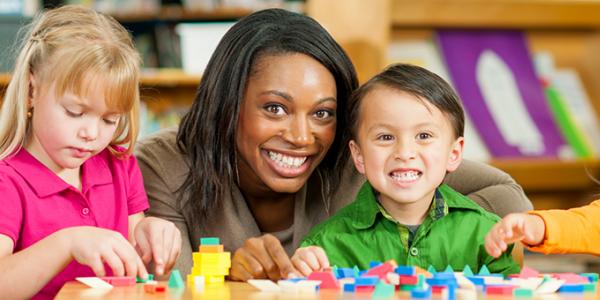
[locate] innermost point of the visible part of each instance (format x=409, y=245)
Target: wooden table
x=240, y=290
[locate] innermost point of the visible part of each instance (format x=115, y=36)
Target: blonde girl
x=72, y=197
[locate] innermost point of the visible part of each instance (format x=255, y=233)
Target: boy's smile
x=404, y=146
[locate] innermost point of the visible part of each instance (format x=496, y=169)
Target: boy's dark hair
x=417, y=81
x=207, y=132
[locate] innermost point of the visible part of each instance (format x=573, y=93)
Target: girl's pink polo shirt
x=35, y=202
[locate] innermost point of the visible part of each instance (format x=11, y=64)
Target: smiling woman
x=256, y=160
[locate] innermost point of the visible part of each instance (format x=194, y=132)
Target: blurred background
x=528, y=72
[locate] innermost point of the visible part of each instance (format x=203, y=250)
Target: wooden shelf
x=538, y=175
x=556, y=14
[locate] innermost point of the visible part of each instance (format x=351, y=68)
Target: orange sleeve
x=576, y=230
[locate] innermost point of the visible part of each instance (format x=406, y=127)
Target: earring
x=30, y=113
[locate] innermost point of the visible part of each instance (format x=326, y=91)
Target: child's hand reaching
x=527, y=228
x=309, y=259
x=93, y=246
x=159, y=240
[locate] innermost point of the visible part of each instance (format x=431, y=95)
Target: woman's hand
x=93, y=246
x=309, y=259
x=260, y=258
x=159, y=240
x=527, y=228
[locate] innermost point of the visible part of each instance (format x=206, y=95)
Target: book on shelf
x=153, y=121
x=424, y=53
x=198, y=42
x=493, y=73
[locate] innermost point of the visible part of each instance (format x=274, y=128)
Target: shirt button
x=85, y=211
x=414, y=251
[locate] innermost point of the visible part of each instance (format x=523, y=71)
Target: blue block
x=451, y=292
x=345, y=272
x=366, y=281
x=362, y=272
x=442, y=281
x=571, y=288
x=421, y=293
x=374, y=264
x=444, y=275
x=477, y=280
x=405, y=270
x=349, y=287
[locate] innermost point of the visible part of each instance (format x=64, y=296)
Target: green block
x=431, y=270
x=590, y=287
x=139, y=279
x=210, y=241
x=421, y=281
x=356, y=271
x=383, y=290
x=150, y=276
x=467, y=271
x=484, y=271
x=175, y=281
x=523, y=293
x=408, y=287
x=449, y=269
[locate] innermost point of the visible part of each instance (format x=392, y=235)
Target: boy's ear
x=359, y=161
x=455, y=156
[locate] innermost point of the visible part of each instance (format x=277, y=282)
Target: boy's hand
x=93, y=246
x=309, y=259
x=159, y=240
x=261, y=257
x=527, y=228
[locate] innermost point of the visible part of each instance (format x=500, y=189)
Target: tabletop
x=240, y=290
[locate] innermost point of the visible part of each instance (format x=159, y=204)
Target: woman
x=254, y=162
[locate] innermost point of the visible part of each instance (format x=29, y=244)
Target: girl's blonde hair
x=73, y=47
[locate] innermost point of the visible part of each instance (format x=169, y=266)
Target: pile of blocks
x=210, y=264
x=384, y=279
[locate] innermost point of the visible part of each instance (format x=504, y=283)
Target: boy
x=407, y=132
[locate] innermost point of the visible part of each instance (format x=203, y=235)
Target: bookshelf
x=569, y=30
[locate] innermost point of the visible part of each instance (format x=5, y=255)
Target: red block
x=571, y=278
x=406, y=279
x=438, y=289
x=365, y=289
x=381, y=270
x=119, y=280
x=327, y=279
x=154, y=288
x=499, y=289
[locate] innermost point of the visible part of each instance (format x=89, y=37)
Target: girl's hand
x=159, y=240
x=309, y=259
x=527, y=228
x=261, y=257
x=93, y=246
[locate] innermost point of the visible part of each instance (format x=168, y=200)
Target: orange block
x=211, y=248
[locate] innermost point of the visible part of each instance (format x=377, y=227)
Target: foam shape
x=405, y=270
x=464, y=283
x=94, y=282
x=383, y=290
x=465, y=294
x=210, y=249
x=571, y=288
x=345, y=273
x=328, y=281
x=404, y=279
x=264, y=285
x=499, y=289
x=366, y=280
x=449, y=269
x=120, y=280
x=421, y=293
x=210, y=241
x=308, y=286
x=531, y=283
x=524, y=293
x=431, y=269
x=527, y=272
x=175, y=280
x=592, y=277
x=349, y=288
x=393, y=278
x=549, y=286
x=381, y=270
x=374, y=264
x=199, y=283
x=467, y=271
x=484, y=271
x=571, y=278
x=590, y=287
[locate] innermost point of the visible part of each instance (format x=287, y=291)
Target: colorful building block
x=381, y=270
x=405, y=270
x=210, y=248
x=383, y=290
x=467, y=271
x=499, y=289
x=484, y=271
x=523, y=293
x=175, y=280
x=210, y=241
x=328, y=281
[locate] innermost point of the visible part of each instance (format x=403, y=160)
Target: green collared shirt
x=452, y=234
